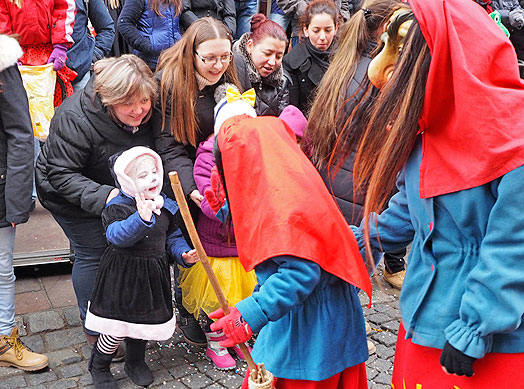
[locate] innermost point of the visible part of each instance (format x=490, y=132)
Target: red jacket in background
x=39, y=21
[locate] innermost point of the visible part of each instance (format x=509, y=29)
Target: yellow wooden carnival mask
x=382, y=66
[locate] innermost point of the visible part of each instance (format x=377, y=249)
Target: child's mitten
x=234, y=326
x=215, y=196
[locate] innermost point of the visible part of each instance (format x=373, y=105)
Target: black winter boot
x=135, y=366
x=188, y=325
x=99, y=369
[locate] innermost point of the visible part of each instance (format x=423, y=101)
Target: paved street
x=47, y=316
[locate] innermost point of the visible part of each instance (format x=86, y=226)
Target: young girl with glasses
x=188, y=73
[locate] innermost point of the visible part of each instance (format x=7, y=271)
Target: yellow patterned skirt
x=197, y=292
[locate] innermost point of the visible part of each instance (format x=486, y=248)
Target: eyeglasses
x=214, y=60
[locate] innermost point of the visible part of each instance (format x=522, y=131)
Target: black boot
x=135, y=366
x=99, y=369
x=188, y=325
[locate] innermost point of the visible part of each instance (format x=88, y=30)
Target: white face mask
x=147, y=179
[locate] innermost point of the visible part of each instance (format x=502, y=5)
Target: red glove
x=216, y=195
x=234, y=326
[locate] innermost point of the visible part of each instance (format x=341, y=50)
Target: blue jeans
x=80, y=84
x=282, y=19
x=88, y=239
x=36, y=150
x=245, y=11
x=7, y=280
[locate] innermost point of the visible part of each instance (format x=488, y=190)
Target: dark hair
x=262, y=27
x=327, y=115
x=318, y=7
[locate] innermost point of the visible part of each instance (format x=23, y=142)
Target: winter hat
x=125, y=168
x=232, y=104
x=295, y=119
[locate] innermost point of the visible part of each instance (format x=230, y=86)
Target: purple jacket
x=212, y=233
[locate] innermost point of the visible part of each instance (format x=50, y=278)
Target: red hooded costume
x=279, y=203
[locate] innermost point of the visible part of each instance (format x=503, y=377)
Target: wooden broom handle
x=188, y=220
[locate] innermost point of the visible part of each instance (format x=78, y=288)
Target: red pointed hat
x=473, y=115
x=279, y=203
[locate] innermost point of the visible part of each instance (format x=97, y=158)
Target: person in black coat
x=258, y=62
x=339, y=112
x=223, y=10
x=73, y=178
x=16, y=184
x=307, y=62
x=189, y=73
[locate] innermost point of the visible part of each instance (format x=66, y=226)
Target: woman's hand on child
x=196, y=197
x=190, y=257
x=114, y=192
x=144, y=207
x=234, y=326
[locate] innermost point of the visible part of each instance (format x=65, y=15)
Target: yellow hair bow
x=249, y=96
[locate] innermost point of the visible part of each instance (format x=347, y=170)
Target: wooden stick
x=188, y=220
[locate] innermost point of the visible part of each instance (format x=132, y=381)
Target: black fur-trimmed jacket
x=16, y=139
x=272, y=91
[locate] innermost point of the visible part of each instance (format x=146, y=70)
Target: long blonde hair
x=326, y=115
x=178, y=80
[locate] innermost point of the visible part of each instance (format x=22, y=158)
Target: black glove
x=456, y=362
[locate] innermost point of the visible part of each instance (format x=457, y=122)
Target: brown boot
x=14, y=353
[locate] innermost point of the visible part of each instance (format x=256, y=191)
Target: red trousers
x=418, y=367
x=353, y=377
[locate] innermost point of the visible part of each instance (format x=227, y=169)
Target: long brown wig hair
x=156, y=5
x=327, y=113
x=393, y=127
x=178, y=83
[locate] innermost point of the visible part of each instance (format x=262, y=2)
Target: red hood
x=473, y=115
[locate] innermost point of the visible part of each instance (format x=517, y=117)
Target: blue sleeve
x=104, y=27
x=176, y=245
x=292, y=281
x=127, y=26
x=493, y=299
x=125, y=233
x=392, y=230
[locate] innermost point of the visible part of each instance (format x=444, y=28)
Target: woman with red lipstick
x=307, y=62
x=258, y=61
x=188, y=74
x=72, y=174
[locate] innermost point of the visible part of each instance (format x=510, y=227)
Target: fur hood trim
x=11, y=51
x=239, y=48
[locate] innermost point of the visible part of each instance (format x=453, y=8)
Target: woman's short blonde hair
x=124, y=79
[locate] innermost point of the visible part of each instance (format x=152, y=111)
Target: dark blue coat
x=147, y=32
x=88, y=49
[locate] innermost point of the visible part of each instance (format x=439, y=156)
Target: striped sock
x=108, y=344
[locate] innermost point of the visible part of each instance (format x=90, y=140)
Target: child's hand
x=144, y=207
x=190, y=257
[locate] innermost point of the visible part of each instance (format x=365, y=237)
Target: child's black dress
x=132, y=292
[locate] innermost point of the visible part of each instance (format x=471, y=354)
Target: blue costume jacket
x=299, y=306
x=465, y=279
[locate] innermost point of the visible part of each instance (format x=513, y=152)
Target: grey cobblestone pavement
x=175, y=364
